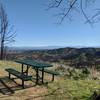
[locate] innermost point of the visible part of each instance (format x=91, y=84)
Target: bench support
x=22, y=68
x=49, y=72
x=42, y=75
x=23, y=84
x=37, y=76
x=9, y=75
x=53, y=77
x=19, y=75
x=27, y=70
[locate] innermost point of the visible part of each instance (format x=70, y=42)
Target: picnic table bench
x=18, y=74
x=53, y=73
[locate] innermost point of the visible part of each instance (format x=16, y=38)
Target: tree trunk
x=2, y=51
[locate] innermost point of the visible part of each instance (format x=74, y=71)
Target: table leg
x=42, y=75
x=22, y=68
x=37, y=76
x=9, y=75
x=53, y=77
x=23, y=84
x=27, y=70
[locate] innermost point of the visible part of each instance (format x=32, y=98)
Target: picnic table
x=34, y=65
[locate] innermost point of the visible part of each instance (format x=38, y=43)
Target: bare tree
x=68, y=7
x=7, y=33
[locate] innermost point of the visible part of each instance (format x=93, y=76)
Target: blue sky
x=36, y=27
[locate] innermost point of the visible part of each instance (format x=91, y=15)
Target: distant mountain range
x=54, y=53
x=35, y=48
x=46, y=47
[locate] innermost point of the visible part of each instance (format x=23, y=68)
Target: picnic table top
x=34, y=63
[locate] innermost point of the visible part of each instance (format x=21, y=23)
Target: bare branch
x=96, y=17
x=85, y=15
x=72, y=5
x=54, y=4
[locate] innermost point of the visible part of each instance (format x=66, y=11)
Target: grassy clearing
x=62, y=88
x=7, y=64
x=70, y=89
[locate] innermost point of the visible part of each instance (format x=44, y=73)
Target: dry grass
x=62, y=88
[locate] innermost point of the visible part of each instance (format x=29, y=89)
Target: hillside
x=54, y=55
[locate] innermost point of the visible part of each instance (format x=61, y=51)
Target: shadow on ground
x=9, y=86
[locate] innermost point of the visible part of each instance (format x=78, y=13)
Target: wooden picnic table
x=34, y=65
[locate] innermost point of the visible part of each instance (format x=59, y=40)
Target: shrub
x=60, y=68
x=86, y=71
x=98, y=67
x=95, y=95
